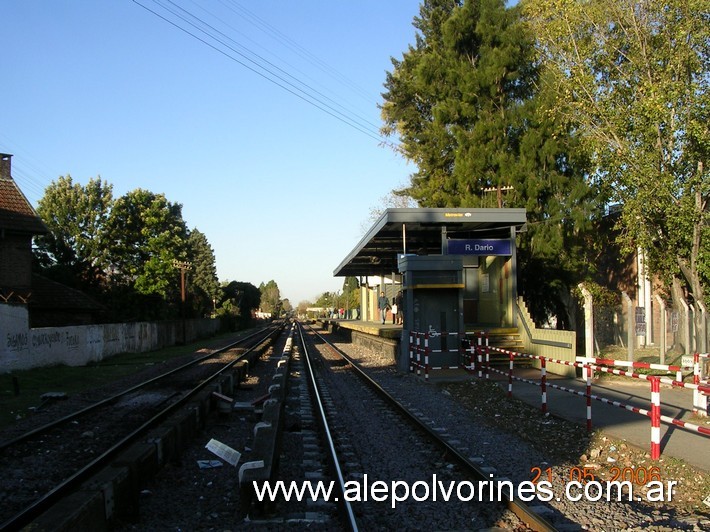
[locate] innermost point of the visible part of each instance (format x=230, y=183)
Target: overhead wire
x=26, y=173
x=298, y=49
x=264, y=68
x=362, y=121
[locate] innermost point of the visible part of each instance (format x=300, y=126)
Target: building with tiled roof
x=19, y=222
x=49, y=303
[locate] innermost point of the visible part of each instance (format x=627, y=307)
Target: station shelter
x=456, y=269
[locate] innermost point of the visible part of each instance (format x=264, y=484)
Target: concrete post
x=630, y=328
x=662, y=332
x=588, y=322
x=702, y=321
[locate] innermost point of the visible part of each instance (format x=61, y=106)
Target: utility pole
x=183, y=267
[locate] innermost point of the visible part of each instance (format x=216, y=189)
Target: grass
x=32, y=383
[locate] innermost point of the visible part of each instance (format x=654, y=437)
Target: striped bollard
x=479, y=354
x=426, y=356
x=655, y=418
x=696, y=380
x=543, y=383
x=488, y=356
x=588, y=371
x=510, y=375
x=419, y=355
x=411, y=352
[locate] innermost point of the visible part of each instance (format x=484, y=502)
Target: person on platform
x=394, y=311
x=398, y=300
x=383, y=304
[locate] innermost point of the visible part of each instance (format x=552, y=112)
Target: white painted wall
x=25, y=348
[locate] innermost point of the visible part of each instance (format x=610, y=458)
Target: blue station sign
x=480, y=246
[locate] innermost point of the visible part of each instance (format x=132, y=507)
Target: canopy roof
x=421, y=230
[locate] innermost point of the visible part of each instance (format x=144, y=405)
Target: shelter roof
x=419, y=231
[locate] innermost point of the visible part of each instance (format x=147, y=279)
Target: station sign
x=480, y=246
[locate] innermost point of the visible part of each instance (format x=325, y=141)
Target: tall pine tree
x=465, y=104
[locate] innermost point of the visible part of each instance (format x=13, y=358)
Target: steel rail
x=522, y=510
x=25, y=517
x=323, y=421
x=74, y=415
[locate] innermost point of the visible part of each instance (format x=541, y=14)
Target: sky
x=279, y=168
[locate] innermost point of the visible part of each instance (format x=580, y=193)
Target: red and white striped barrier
x=421, y=354
x=699, y=386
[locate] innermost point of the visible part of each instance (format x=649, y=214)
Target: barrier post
x=510, y=375
x=419, y=355
x=488, y=356
x=543, y=383
x=479, y=354
x=588, y=370
x=655, y=418
x=411, y=352
x=426, y=356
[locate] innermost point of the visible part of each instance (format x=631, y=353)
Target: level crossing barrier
x=483, y=354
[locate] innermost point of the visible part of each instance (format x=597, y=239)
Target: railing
x=483, y=367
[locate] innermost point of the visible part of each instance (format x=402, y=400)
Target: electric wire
x=262, y=70
x=300, y=50
x=360, y=120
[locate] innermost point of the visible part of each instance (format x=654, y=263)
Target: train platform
x=677, y=442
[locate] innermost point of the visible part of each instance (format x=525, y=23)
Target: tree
x=145, y=234
x=204, y=287
x=73, y=251
x=633, y=77
x=351, y=293
x=466, y=105
x=270, y=298
x=237, y=300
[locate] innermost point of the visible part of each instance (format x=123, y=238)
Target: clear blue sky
x=281, y=189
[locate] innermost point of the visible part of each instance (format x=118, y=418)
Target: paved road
x=635, y=428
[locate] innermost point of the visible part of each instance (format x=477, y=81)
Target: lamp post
x=183, y=267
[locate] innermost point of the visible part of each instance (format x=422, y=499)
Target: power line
x=265, y=69
x=301, y=51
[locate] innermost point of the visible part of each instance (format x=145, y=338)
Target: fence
x=699, y=386
x=661, y=324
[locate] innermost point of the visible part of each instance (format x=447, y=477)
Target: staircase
x=506, y=338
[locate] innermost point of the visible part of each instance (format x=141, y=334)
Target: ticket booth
x=433, y=289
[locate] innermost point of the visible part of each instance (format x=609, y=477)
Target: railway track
x=406, y=438
x=371, y=434
x=80, y=444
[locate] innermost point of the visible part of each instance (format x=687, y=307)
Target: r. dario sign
x=479, y=246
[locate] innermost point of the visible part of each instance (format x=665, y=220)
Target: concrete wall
x=25, y=348
x=550, y=343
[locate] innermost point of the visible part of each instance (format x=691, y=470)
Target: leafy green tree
x=73, y=251
x=204, y=286
x=145, y=234
x=466, y=106
x=270, y=298
x=633, y=78
x=237, y=300
x=351, y=293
